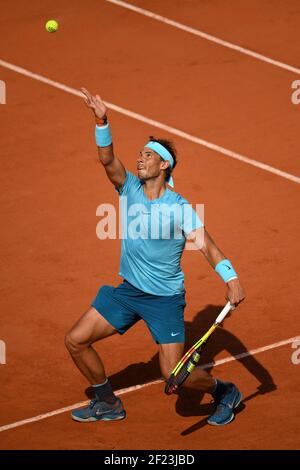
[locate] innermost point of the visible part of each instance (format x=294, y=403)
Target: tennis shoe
x=100, y=411
x=225, y=405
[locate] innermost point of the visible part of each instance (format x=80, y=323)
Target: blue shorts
x=125, y=305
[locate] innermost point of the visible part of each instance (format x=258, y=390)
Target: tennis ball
x=51, y=26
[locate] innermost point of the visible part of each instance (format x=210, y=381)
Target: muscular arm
x=235, y=293
x=210, y=250
x=114, y=168
x=207, y=246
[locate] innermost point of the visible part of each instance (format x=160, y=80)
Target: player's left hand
x=95, y=103
x=235, y=293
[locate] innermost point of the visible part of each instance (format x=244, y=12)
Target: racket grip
x=224, y=312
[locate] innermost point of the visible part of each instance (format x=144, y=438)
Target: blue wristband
x=225, y=270
x=103, y=136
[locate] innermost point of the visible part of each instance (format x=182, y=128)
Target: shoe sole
x=239, y=399
x=92, y=419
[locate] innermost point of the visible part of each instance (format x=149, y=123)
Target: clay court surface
x=52, y=263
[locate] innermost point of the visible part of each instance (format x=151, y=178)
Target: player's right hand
x=95, y=103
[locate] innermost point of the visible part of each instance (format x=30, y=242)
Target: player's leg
x=169, y=356
x=107, y=316
x=91, y=327
x=165, y=320
x=226, y=395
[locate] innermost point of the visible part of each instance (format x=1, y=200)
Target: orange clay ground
x=52, y=263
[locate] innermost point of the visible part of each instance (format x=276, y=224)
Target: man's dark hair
x=168, y=144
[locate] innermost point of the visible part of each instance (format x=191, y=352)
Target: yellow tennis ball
x=51, y=26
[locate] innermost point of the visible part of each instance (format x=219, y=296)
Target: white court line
x=206, y=36
x=251, y=353
x=71, y=407
x=137, y=387
x=159, y=125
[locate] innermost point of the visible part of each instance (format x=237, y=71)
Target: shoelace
x=92, y=404
x=220, y=408
x=219, y=405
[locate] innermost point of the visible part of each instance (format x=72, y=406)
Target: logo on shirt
x=175, y=334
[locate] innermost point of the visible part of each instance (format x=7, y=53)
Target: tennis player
x=153, y=282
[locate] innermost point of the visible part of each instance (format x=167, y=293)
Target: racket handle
x=224, y=312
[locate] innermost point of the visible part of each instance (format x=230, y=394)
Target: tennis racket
x=191, y=358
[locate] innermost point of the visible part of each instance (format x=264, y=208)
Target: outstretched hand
x=95, y=103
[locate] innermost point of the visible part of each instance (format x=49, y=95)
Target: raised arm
x=113, y=166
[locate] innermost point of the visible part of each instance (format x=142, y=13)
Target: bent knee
x=73, y=345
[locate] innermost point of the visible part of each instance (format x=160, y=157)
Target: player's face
x=148, y=164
